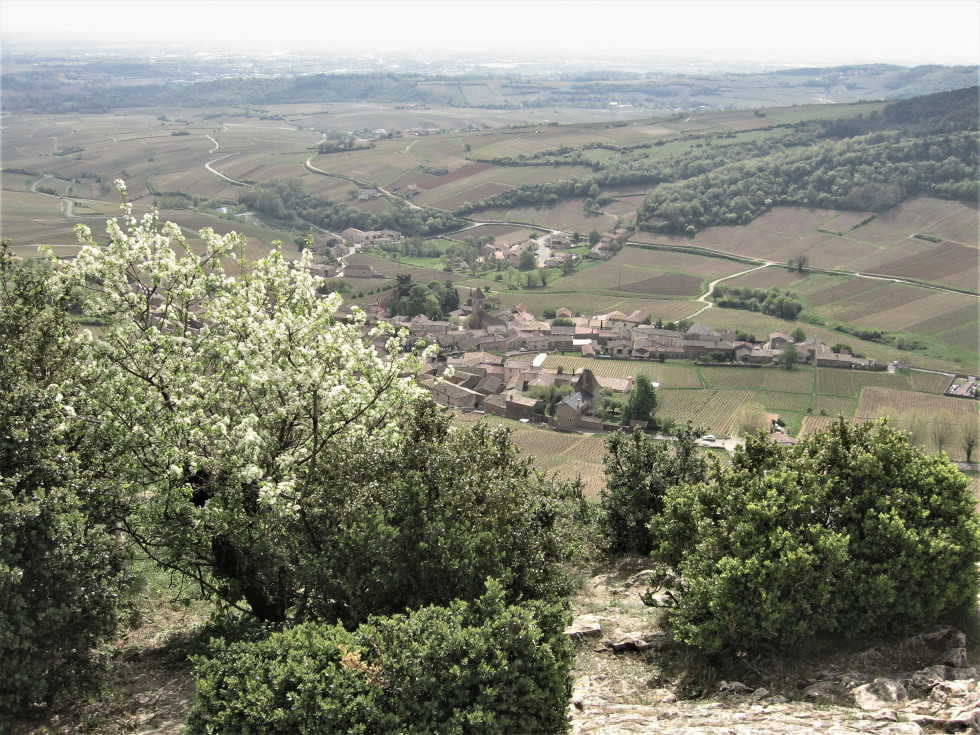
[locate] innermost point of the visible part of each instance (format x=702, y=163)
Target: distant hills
x=52, y=85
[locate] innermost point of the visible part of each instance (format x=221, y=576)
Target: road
x=703, y=298
x=218, y=173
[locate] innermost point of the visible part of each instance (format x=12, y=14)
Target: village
x=495, y=365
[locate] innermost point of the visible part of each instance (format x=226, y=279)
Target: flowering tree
x=222, y=395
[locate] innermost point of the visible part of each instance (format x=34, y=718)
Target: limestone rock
x=928, y=678
x=584, y=626
x=880, y=694
x=821, y=690
x=639, y=579
x=955, y=657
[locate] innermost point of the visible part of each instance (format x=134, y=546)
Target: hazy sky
x=795, y=32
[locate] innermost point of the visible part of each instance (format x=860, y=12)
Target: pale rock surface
x=854, y=695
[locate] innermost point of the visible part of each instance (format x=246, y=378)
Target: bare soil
x=149, y=687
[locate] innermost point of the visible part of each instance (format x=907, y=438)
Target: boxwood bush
x=482, y=668
x=853, y=531
x=62, y=572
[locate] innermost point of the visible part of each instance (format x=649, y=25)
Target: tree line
x=768, y=301
x=919, y=146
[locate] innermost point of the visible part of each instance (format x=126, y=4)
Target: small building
x=357, y=270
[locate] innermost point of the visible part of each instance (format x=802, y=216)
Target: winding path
x=703, y=298
x=218, y=173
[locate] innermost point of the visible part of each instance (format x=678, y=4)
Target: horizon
x=716, y=34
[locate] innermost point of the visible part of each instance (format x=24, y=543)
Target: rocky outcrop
x=937, y=698
x=934, y=691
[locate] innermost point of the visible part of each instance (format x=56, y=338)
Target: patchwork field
x=160, y=151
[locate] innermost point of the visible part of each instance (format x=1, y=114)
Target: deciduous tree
x=226, y=394
x=968, y=433
x=642, y=401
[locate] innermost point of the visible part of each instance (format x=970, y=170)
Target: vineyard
x=839, y=382
x=815, y=424
x=798, y=380
x=570, y=456
x=714, y=410
x=833, y=405
x=668, y=284
x=780, y=401
x=930, y=382
x=879, y=402
x=666, y=260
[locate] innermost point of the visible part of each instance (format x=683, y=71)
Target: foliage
x=434, y=300
x=853, y=531
x=642, y=401
x=527, y=260
x=857, y=173
x=751, y=418
x=609, y=406
x=479, y=668
x=429, y=520
x=224, y=396
x=640, y=471
x=550, y=395
x=62, y=572
x=900, y=341
x=789, y=355
x=771, y=301
x=288, y=198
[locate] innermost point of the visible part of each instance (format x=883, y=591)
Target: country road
x=218, y=173
x=703, y=298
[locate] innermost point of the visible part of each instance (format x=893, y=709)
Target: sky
x=779, y=32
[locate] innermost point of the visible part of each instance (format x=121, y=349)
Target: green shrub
x=851, y=532
x=61, y=570
x=639, y=472
x=481, y=667
x=430, y=521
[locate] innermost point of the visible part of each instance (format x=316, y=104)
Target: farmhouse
x=360, y=271
x=514, y=406
x=371, y=237
x=449, y=394
x=570, y=409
